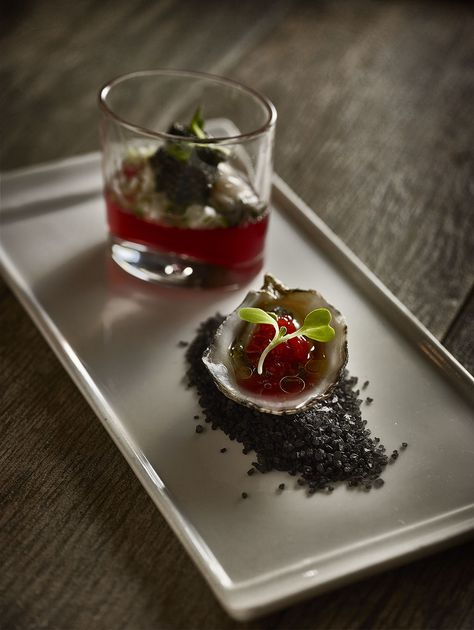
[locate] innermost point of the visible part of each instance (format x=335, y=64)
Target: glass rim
x=263, y=100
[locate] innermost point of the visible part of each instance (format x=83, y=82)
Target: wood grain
x=51, y=107
x=459, y=339
x=375, y=105
x=375, y=132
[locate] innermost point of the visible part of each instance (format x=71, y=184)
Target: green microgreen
x=183, y=151
x=180, y=150
x=197, y=124
x=315, y=326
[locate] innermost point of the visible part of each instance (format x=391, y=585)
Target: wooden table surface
x=375, y=132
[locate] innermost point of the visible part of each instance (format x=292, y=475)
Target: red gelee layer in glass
x=229, y=247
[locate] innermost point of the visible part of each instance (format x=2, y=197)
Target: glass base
x=179, y=271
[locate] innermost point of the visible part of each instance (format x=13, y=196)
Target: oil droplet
x=315, y=366
x=243, y=372
x=292, y=384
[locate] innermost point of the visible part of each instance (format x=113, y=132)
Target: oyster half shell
x=218, y=360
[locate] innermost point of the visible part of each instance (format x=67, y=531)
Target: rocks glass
x=187, y=162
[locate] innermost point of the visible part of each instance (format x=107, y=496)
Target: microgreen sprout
x=315, y=326
x=197, y=124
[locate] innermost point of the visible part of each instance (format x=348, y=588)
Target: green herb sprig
x=197, y=124
x=315, y=326
x=184, y=151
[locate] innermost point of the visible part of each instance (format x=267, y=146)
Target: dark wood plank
x=412, y=597
x=375, y=132
x=56, y=55
x=459, y=339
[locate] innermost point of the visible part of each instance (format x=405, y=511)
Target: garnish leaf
x=184, y=151
x=256, y=316
x=197, y=124
x=198, y=118
x=179, y=150
x=316, y=325
x=318, y=317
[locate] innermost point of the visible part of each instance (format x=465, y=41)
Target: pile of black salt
x=326, y=444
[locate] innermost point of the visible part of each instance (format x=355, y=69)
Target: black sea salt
x=323, y=445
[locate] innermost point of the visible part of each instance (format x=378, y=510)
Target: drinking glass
x=187, y=163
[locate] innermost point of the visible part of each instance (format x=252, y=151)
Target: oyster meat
x=319, y=371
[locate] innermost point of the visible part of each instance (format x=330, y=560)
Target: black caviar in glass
x=184, y=183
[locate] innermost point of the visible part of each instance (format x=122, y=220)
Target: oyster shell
x=222, y=367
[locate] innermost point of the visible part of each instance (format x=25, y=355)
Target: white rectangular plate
x=118, y=338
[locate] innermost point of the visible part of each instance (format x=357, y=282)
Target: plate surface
x=118, y=338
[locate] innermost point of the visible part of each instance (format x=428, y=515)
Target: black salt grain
x=323, y=445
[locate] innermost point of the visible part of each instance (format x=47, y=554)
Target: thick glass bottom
x=176, y=270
